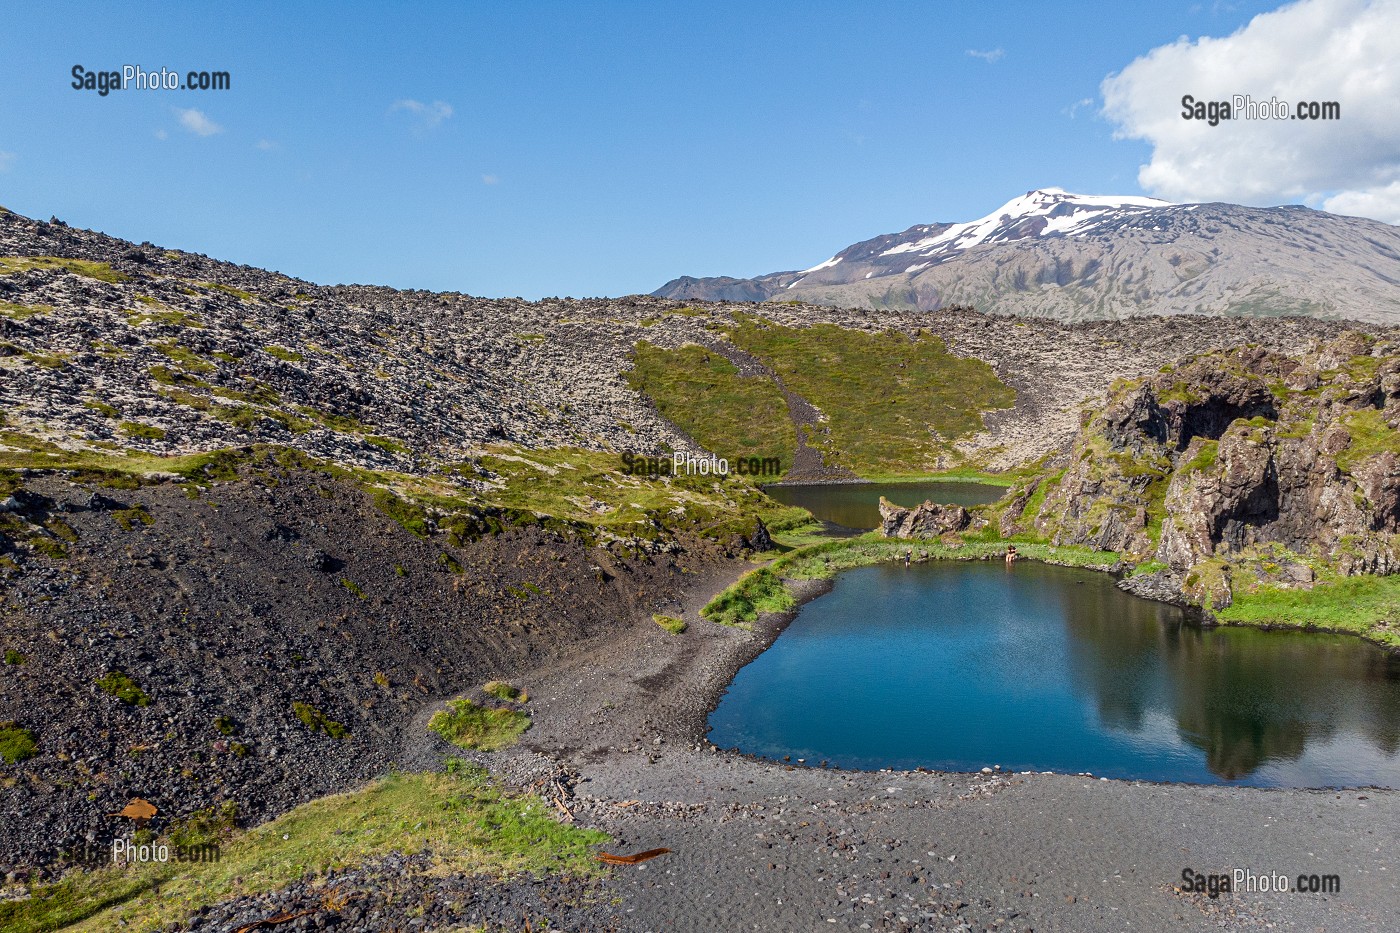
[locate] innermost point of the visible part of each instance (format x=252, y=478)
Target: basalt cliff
x=1234, y=469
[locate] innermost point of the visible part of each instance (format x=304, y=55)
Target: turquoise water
x=857, y=505
x=957, y=666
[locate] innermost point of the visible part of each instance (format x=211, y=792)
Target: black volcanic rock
x=928, y=520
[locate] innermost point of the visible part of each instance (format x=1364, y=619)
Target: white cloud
x=987, y=55
x=428, y=115
x=197, y=123
x=267, y=145
x=1313, y=50
x=490, y=180
x=1381, y=203
x=162, y=134
x=1073, y=109
x=7, y=160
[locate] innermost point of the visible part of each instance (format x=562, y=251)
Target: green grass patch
x=479, y=728
x=145, y=432
x=1204, y=457
x=47, y=360
x=755, y=593
x=669, y=623
x=823, y=560
x=1368, y=606
x=1370, y=435
x=317, y=721
x=704, y=395
x=471, y=826
x=895, y=403
x=17, y=743
x=119, y=685
x=159, y=314
x=100, y=271
x=283, y=354
x=187, y=358
x=238, y=293
x=174, y=377
x=128, y=519
x=256, y=394
x=506, y=692
x=342, y=423
x=102, y=408
x=388, y=444
x=16, y=312
x=14, y=658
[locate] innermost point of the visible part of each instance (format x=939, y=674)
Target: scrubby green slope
x=704, y=395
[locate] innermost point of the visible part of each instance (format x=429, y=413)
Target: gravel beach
x=762, y=845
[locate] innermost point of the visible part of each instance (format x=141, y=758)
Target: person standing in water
x=908, y=556
x=1010, y=554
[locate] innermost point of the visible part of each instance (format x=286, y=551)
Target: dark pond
x=857, y=505
x=957, y=666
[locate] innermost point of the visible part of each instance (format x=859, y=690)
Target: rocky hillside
x=1236, y=469
x=264, y=640
x=107, y=345
x=1074, y=257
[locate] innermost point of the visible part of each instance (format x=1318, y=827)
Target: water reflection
x=963, y=665
x=1243, y=697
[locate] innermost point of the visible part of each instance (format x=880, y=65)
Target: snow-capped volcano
x=1051, y=253
x=1044, y=212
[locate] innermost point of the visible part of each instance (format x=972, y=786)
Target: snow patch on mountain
x=1043, y=212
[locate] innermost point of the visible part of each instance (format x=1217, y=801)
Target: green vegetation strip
x=763, y=590
x=564, y=489
x=704, y=395
x=470, y=825
x=9, y=265
x=1368, y=606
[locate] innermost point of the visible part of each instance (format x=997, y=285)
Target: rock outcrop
x=928, y=520
x=1238, y=467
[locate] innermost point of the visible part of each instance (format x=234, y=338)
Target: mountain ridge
x=1050, y=253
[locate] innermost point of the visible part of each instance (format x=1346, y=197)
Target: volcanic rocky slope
x=114, y=345
x=1236, y=468
x=1074, y=257
x=251, y=527
x=278, y=633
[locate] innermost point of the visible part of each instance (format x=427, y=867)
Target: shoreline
x=1058, y=556
x=630, y=718
x=620, y=725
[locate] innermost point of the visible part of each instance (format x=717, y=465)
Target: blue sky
x=591, y=148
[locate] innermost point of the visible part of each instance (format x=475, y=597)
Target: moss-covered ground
x=704, y=395
x=894, y=404
x=469, y=824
